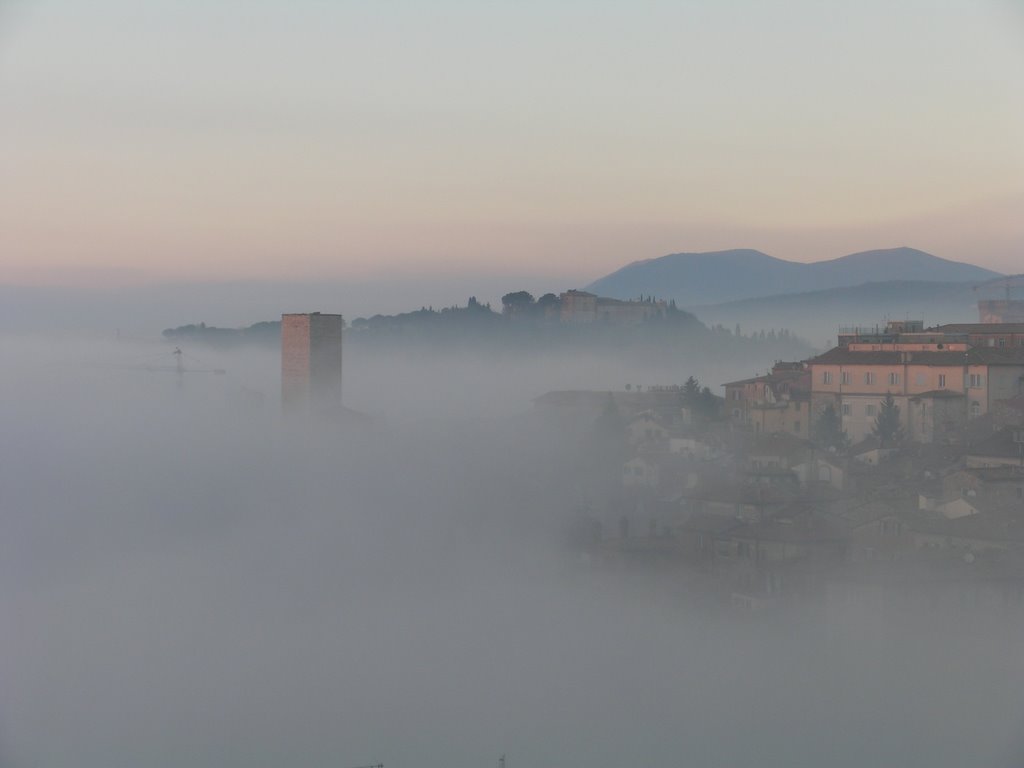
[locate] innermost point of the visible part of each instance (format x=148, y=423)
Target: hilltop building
x=582, y=308
x=311, y=362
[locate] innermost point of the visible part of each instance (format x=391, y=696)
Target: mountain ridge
x=714, y=277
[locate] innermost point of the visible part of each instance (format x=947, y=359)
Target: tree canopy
x=517, y=299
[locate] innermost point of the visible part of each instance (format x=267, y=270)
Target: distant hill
x=696, y=279
x=817, y=315
x=671, y=334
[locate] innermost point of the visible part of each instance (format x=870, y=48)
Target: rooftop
x=979, y=328
x=974, y=356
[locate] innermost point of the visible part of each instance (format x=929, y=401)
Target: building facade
x=779, y=401
x=583, y=308
x=937, y=386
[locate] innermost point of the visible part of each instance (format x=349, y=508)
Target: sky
x=259, y=140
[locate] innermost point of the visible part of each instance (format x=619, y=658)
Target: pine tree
x=887, y=423
x=828, y=430
x=690, y=393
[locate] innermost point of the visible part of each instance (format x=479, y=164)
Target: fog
x=108, y=302
x=188, y=579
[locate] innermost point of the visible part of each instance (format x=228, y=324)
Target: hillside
x=696, y=279
x=817, y=315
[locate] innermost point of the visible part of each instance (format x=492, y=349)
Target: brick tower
x=311, y=362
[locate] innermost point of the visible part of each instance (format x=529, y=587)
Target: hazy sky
x=199, y=140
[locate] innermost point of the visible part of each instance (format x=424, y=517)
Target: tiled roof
x=807, y=528
x=996, y=474
x=987, y=526
x=974, y=356
x=1000, y=445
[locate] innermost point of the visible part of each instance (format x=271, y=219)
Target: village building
x=704, y=448
x=1009, y=412
x=1002, y=485
x=1002, y=448
x=921, y=377
x=776, y=402
x=772, y=560
x=641, y=472
x=972, y=534
x=877, y=531
x=645, y=429
x=994, y=335
x=822, y=469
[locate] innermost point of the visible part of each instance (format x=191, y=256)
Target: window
x=736, y=394
x=942, y=381
x=975, y=408
x=847, y=377
x=869, y=378
x=846, y=409
x=974, y=381
x=891, y=527
x=1002, y=343
x=921, y=379
x=826, y=377
x=894, y=378
x=869, y=410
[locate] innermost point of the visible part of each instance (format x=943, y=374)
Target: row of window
x=871, y=410
x=974, y=380
x=846, y=377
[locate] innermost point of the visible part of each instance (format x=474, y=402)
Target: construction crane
x=179, y=368
x=1006, y=284
x=996, y=301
